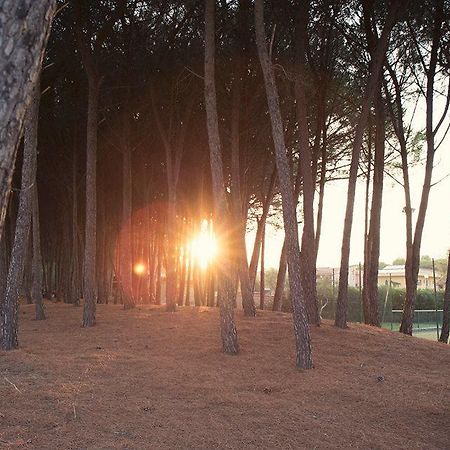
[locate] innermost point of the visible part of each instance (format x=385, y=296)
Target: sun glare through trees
x=204, y=245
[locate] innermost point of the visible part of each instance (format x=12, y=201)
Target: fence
x=424, y=320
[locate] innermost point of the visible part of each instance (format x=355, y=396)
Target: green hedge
x=395, y=300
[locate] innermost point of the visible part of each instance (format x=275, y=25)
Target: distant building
x=395, y=275
x=332, y=275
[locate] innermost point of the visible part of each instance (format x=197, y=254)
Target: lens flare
x=139, y=268
x=204, y=246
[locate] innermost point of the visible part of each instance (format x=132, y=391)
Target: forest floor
x=146, y=379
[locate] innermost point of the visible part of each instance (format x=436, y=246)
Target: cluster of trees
x=150, y=118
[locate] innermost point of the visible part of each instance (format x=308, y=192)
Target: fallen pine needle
x=13, y=385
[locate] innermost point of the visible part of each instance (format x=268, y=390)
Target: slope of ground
x=146, y=379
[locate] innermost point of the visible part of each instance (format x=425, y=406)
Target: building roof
x=399, y=270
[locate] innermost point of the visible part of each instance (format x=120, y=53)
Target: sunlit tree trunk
x=301, y=329
x=222, y=223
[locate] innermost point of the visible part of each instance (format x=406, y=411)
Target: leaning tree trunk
x=24, y=29
x=225, y=275
x=413, y=253
x=36, y=285
x=89, y=293
x=281, y=280
x=301, y=328
x=446, y=309
x=15, y=273
x=342, y=300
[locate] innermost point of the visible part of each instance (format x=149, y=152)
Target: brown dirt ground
x=146, y=379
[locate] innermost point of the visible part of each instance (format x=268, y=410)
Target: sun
x=139, y=268
x=204, y=246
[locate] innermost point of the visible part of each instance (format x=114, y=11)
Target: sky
x=436, y=235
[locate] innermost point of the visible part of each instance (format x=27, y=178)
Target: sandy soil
x=146, y=379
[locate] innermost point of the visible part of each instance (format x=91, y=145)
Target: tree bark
x=16, y=267
x=262, y=269
x=370, y=292
x=126, y=269
x=241, y=46
x=24, y=30
x=446, y=309
x=36, y=286
x=225, y=277
x=308, y=250
x=90, y=288
x=281, y=280
x=75, y=263
x=301, y=328
x=413, y=253
x=342, y=300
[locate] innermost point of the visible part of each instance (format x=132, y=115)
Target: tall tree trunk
x=446, y=309
x=373, y=251
x=126, y=269
x=90, y=288
x=301, y=329
x=262, y=287
x=413, y=254
x=365, y=301
x=241, y=46
x=75, y=269
x=36, y=287
x=225, y=276
x=16, y=267
x=308, y=252
x=24, y=30
x=342, y=300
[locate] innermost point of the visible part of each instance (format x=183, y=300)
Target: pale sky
x=436, y=236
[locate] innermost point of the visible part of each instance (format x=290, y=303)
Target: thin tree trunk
x=446, y=309
x=225, y=276
x=308, y=249
x=10, y=308
x=253, y=267
x=75, y=273
x=301, y=329
x=248, y=301
x=126, y=270
x=281, y=280
x=342, y=300
x=413, y=255
x=262, y=286
x=36, y=287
